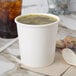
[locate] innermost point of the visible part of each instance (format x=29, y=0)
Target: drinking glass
x=9, y=9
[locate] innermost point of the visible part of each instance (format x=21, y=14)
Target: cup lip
x=42, y=25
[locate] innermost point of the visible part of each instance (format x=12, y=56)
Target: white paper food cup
x=37, y=43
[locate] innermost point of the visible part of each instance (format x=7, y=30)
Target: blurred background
x=51, y=6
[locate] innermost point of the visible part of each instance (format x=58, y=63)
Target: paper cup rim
x=42, y=25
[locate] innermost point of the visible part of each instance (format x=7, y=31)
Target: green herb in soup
x=36, y=19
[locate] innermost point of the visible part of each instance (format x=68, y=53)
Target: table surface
x=10, y=60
